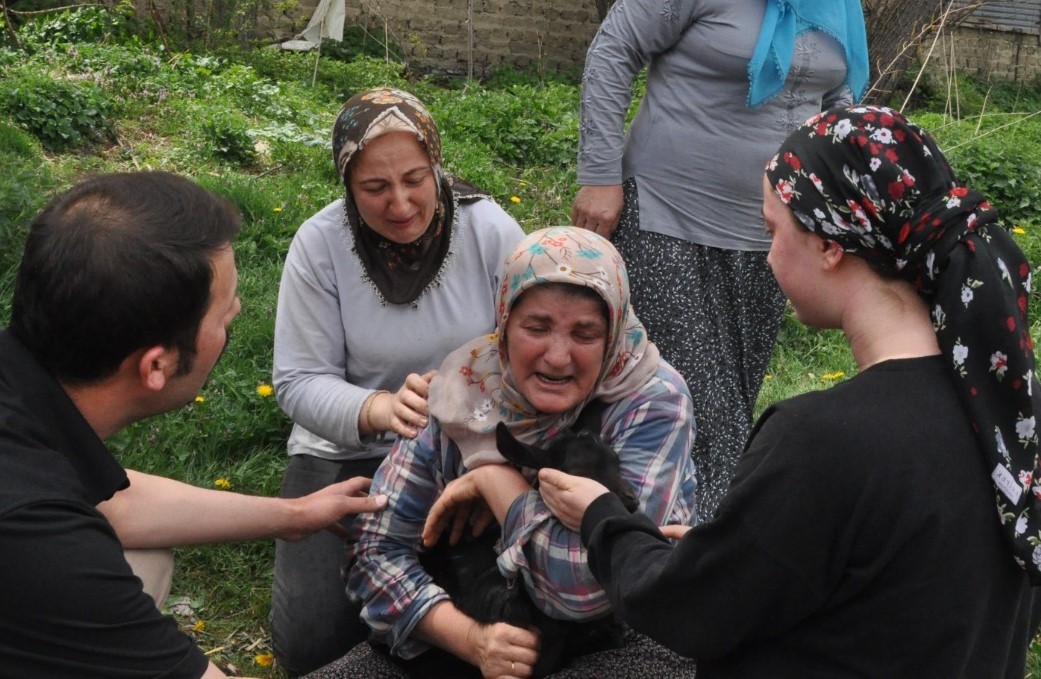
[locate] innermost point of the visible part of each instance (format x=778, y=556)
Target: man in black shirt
x=120, y=311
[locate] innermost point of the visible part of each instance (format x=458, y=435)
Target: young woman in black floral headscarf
x=860, y=535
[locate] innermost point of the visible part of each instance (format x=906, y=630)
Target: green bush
x=63, y=114
x=26, y=183
x=227, y=138
x=79, y=25
x=998, y=155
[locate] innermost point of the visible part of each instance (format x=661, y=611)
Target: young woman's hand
x=568, y=496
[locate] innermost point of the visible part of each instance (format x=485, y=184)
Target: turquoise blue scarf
x=784, y=21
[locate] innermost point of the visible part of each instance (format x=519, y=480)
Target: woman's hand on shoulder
x=568, y=496
x=405, y=411
x=598, y=208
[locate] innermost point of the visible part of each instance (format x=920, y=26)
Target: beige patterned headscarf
x=474, y=388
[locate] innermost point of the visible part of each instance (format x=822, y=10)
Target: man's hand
x=568, y=496
x=325, y=508
x=598, y=208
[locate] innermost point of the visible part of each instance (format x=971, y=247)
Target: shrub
x=79, y=25
x=23, y=191
x=227, y=138
x=63, y=114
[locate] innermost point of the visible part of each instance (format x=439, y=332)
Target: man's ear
x=155, y=366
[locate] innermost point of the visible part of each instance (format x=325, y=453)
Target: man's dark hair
x=118, y=263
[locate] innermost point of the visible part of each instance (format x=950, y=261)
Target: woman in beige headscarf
x=566, y=341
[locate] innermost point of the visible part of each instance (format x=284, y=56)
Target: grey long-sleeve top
x=335, y=343
x=696, y=149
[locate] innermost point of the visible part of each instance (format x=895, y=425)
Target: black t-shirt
x=859, y=538
x=69, y=604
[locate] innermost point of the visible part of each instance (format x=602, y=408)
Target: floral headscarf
x=399, y=272
x=878, y=185
x=474, y=388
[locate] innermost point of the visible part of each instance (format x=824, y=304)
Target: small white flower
x=999, y=440
x=1004, y=271
x=883, y=135
x=999, y=363
x=959, y=353
x=875, y=163
x=966, y=295
x=1021, y=525
x=930, y=260
x=1036, y=556
x=939, y=317
x=819, y=213
x=843, y=128
x=953, y=201
x=1025, y=428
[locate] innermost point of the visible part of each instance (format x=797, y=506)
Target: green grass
x=252, y=127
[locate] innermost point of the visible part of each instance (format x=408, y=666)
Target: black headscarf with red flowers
x=877, y=184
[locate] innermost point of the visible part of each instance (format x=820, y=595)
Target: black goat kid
x=469, y=574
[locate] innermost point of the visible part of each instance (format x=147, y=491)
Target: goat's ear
x=518, y=453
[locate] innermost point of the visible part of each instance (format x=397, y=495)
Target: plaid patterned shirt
x=652, y=430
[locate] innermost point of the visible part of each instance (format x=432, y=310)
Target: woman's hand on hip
x=404, y=412
x=598, y=208
x=568, y=496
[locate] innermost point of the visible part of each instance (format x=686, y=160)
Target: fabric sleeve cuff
x=604, y=507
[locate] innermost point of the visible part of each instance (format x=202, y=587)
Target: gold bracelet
x=367, y=409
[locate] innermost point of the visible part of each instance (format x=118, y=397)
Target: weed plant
x=87, y=93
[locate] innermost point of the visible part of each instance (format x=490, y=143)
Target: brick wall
x=1001, y=55
x=436, y=34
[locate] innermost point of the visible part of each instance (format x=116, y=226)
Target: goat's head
x=579, y=453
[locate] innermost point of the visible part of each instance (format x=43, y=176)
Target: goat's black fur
x=469, y=574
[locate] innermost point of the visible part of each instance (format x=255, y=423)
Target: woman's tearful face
x=555, y=343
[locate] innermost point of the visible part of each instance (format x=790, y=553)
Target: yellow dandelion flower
x=514, y=199
x=833, y=376
x=264, y=659
x=264, y=390
x=522, y=183
x=222, y=483
x=200, y=399
x=1018, y=230
x=278, y=209
x=767, y=378
x=199, y=626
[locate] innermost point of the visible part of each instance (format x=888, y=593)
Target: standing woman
x=889, y=526
x=377, y=288
x=727, y=80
